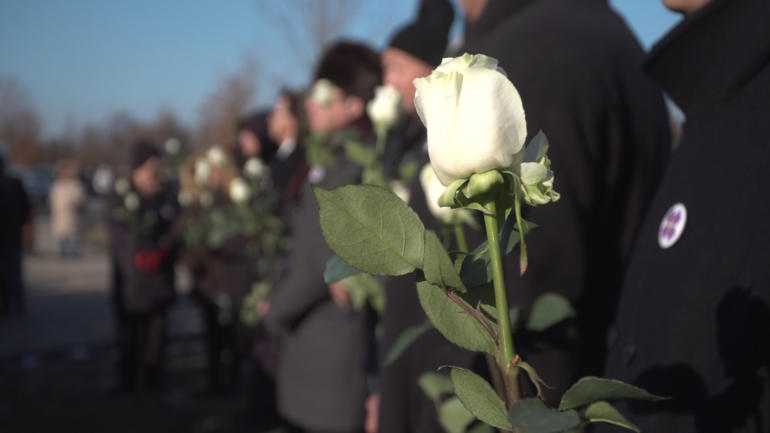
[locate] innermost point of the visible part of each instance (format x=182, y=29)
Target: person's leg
x=18, y=299
x=210, y=314
x=127, y=336
x=5, y=284
x=153, y=349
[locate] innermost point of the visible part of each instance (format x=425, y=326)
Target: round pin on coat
x=672, y=226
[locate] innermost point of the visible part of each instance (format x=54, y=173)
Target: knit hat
x=426, y=37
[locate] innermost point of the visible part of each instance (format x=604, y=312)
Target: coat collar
x=712, y=53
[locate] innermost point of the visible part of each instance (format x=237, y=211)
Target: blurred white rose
x=185, y=198
x=201, y=172
x=103, y=179
x=433, y=190
x=323, y=92
x=216, y=156
x=254, y=168
x=172, y=146
x=474, y=117
x=383, y=109
x=131, y=201
x=401, y=190
x=239, y=190
x=122, y=186
x=207, y=199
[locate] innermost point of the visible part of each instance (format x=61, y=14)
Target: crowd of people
x=663, y=253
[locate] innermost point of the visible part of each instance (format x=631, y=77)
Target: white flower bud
x=172, y=146
x=254, y=168
x=201, y=172
x=185, y=198
x=131, y=201
x=474, y=117
x=216, y=156
x=433, y=190
x=323, y=92
x=122, y=186
x=383, y=109
x=239, y=190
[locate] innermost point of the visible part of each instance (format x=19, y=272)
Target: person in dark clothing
x=288, y=169
x=321, y=374
x=254, y=140
x=413, y=51
x=576, y=65
x=694, y=315
x=143, y=254
x=16, y=212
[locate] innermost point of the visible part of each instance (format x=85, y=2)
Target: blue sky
x=81, y=60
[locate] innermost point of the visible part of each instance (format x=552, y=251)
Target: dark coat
x=137, y=290
x=577, y=68
x=15, y=211
x=404, y=407
x=321, y=382
x=224, y=270
x=694, y=319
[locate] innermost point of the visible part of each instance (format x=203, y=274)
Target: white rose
x=323, y=92
x=216, y=156
x=474, y=117
x=433, y=190
x=172, y=146
x=254, y=168
x=239, y=190
x=103, y=179
x=131, y=201
x=401, y=190
x=201, y=172
x=185, y=198
x=207, y=199
x=383, y=109
x=122, y=186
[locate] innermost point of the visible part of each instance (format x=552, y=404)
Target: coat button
x=629, y=353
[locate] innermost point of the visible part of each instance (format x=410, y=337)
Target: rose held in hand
x=474, y=117
x=383, y=109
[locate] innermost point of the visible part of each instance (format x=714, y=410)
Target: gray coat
x=320, y=381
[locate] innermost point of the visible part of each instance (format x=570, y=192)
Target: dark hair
x=141, y=151
x=256, y=123
x=353, y=67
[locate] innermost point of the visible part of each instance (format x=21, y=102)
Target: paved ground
x=56, y=360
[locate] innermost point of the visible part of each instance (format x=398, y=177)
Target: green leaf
x=371, y=229
x=360, y=154
x=480, y=398
x=363, y=289
x=482, y=428
x=435, y=385
x=601, y=411
x=409, y=336
x=337, y=269
x=531, y=415
x=591, y=389
x=454, y=417
x=453, y=321
x=548, y=310
x=438, y=266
